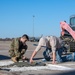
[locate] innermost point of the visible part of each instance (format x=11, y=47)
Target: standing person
x=18, y=48
x=52, y=43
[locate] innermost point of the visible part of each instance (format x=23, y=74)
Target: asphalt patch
x=25, y=64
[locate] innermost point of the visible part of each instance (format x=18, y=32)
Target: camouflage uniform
x=17, y=49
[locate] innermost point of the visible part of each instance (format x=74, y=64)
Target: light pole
x=33, y=25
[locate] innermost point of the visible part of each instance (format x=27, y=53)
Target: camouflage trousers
x=17, y=54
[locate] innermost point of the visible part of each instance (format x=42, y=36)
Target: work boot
x=14, y=59
x=73, y=56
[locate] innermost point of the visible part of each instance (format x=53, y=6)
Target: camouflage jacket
x=15, y=46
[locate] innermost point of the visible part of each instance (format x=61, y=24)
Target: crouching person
x=18, y=48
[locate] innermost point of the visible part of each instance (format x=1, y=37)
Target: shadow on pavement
x=64, y=73
x=68, y=73
x=37, y=58
x=3, y=57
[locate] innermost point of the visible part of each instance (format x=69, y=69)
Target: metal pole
x=33, y=25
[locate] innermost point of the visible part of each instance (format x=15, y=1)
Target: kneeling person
x=52, y=44
x=18, y=48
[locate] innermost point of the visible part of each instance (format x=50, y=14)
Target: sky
x=16, y=17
